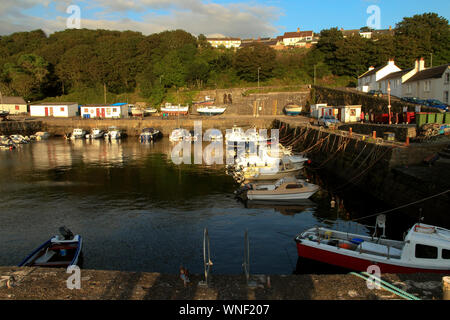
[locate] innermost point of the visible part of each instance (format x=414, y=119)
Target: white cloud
x=194, y=16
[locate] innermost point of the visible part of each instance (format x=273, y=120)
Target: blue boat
x=60, y=251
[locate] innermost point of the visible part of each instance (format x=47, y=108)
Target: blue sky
x=250, y=18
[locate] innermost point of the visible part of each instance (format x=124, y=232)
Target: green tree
x=249, y=59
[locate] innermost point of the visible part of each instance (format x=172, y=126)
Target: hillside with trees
x=78, y=64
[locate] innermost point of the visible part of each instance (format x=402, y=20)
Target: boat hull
x=274, y=176
x=354, y=263
x=253, y=195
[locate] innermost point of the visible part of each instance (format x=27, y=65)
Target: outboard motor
x=66, y=233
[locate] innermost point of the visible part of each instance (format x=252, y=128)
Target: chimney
x=390, y=28
x=391, y=62
x=342, y=29
x=416, y=65
x=371, y=68
x=421, y=64
x=298, y=29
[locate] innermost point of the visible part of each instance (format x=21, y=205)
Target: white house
x=299, y=38
x=431, y=83
x=369, y=80
x=54, y=109
x=226, y=42
x=396, y=79
x=104, y=111
x=14, y=105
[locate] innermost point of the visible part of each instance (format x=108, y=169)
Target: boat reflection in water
x=287, y=209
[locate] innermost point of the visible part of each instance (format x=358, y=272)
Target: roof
x=300, y=34
x=350, y=32
x=54, y=103
x=368, y=73
x=12, y=100
x=397, y=74
x=223, y=39
x=430, y=73
x=119, y=104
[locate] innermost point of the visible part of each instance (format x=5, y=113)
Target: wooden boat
x=283, y=190
x=425, y=248
x=60, y=251
x=211, y=110
x=137, y=112
x=292, y=109
x=149, y=134
x=150, y=111
x=174, y=110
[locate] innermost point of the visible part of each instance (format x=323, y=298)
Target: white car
x=327, y=121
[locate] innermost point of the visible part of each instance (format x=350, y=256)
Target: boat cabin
x=426, y=242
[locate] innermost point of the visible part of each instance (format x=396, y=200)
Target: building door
x=103, y=112
x=46, y=111
x=51, y=111
x=98, y=112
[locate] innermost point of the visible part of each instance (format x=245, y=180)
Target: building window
x=445, y=254
x=408, y=88
x=114, y=110
x=447, y=77
x=446, y=96
x=86, y=110
x=62, y=109
x=426, y=252
x=427, y=86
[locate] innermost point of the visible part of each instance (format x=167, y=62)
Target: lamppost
x=389, y=99
x=259, y=68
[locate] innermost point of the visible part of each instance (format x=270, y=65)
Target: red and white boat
x=425, y=249
x=174, y=110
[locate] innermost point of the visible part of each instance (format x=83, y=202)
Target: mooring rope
x=403, y=206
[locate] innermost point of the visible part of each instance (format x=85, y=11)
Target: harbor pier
x=51, y=284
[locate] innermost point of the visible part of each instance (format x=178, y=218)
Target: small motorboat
x=292, y=110
x=210, y=110
x=113, y=133
x=288, y=189
x=42, y=135
x=149, y=134
x=3, y=114
x=425, y=249
x=150, y=111
x=137, y=112
x=213, y=135
x=78, y=133
x=60, y=251
x=179, y=134
x=96, y=134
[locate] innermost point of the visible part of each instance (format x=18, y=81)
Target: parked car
x=327, y=121
x=437, y=104
x=375, y=93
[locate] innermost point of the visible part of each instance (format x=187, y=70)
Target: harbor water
x=138, y=211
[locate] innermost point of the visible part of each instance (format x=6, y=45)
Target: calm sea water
x=138, y=211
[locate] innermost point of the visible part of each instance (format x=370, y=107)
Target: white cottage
x=14, y=105
x=54, y=109
x=369, y=80
x=104, y=111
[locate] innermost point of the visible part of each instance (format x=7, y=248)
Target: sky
x=244, y=19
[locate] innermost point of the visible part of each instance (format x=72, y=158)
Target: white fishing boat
x=174, y=110
x=286, y=189
x=113, y=133
x=78, y=133
x=137, y=112
x=425, y=249
x=60, y=251
x=211, y=110
x=96, y=134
